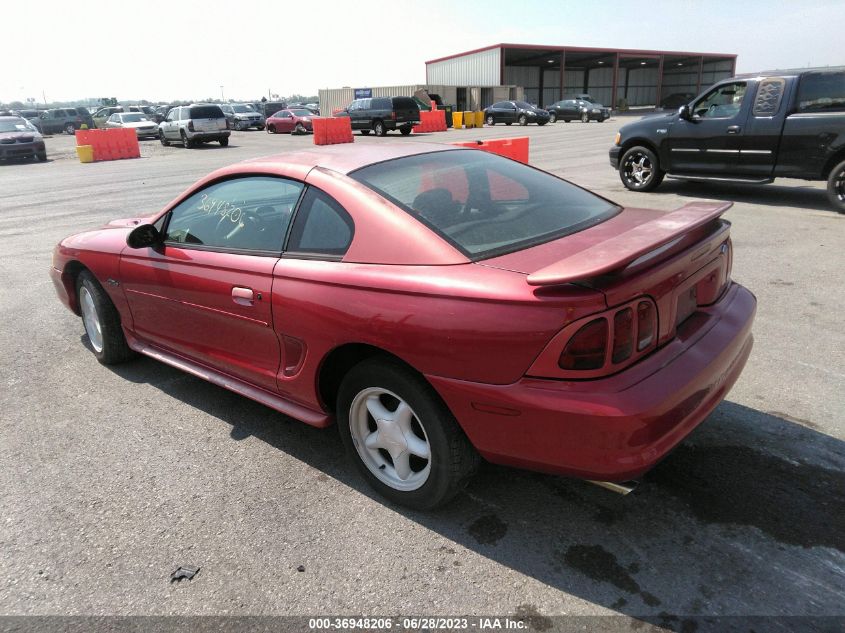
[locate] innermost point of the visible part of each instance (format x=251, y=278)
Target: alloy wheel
x=390, y=439
x=638, y=169
x=91, y=319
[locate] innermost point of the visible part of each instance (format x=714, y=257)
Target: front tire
x=41, y=156
x=224, y=141
x=836, y=187
x=379, y=129
x=299, y=129
x=401, y=436
x=585, y=117
x=271, y=129
x=552, y=117
x=640, y=170
x=102, y=321
x=523, y=120
x=69, y=129
x=490, y=120
x=163, y=139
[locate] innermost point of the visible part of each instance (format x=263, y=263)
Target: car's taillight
x=623, y=335
x=646, y=324
x=393, y=115
x=190, y=126
x=587, y=349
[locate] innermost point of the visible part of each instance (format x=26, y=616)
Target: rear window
x=822, y=92
x=404, y=103
x=485, y=204
x=206, y=112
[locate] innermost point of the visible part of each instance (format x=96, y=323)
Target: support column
x=613, y=98
x=659, y=80
x=540, y=97
x=502, y=67
x=562, y=74
x=733, y=68
x=700, y=72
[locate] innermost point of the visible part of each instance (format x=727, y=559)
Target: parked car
x=20, y=139
x=676, y=100
x=33, y=116
x=194, y=124
x=747, y=130
x=242, y=116
x=102, y=115
x=578, y=109
x=144, y=127
x=269, y=108
x=292, y=121
x=160, y=112
x=438, y=303
x=509, y=112
x=382, y=114
x=68, y=120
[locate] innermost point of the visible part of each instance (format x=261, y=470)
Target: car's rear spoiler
x=623, y=249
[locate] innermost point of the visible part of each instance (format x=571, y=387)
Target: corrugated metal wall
x=476, y=69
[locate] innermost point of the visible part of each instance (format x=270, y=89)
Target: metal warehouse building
x=549, y=73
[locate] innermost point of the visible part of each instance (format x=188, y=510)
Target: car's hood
x=22, y=136
x=128, y=222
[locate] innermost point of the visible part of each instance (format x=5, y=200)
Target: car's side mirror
x=143, y=236
x=685, y=113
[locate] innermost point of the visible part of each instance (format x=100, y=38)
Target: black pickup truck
x=744, y=129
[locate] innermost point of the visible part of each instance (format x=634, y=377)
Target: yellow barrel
x=457, y=120
x=469, y=119
x=85, y=153
x=479, y=119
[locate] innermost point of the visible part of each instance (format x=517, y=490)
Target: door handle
x=242, y=296
x=734, y=129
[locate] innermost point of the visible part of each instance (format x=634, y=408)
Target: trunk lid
x=680, y=259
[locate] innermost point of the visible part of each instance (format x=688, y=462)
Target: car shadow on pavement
x=803, y=197
x=746, y=517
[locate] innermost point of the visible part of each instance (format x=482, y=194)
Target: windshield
x=16, y=125
x=133, y=117
x=522, y=104
x=485, y=204
x=301, y=112
x=242, y=108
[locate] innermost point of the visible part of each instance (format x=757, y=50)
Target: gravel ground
x=113, y=477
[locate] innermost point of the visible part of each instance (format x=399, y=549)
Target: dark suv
x=381, y=114
x=67, y=120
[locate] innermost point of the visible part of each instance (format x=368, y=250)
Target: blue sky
x=190, y=48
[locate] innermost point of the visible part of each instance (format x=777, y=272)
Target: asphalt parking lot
x=113, y=477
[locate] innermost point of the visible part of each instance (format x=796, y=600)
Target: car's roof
x=347, y=157
x=10, y=117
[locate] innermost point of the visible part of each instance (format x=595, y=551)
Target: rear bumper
x=614, y=428
x=208, y=136
x=615, y=151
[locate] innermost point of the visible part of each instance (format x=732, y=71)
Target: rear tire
x=394, y=467
x=836, y=187
x=640, y=170
x=101, y=321
x=405, y=130
x=186, y=142
x=70, y=129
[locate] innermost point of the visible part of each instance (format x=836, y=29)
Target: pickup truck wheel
x=379, y=129
x=401, y=436
x=69, y=129
x=162, y=138
x=639, y=169
x=102, y=321
x=836, y=187
x=552, y=117
x=490, y=120
x=522, y=120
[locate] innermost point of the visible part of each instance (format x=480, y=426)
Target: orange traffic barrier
x=111, y=143
x=431, y=121
x=332, y=130
x=515, y=148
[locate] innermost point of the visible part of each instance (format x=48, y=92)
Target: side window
x=173, y=115
x=249, y=213
x=722, y=102
x=769, y=95
x=58, y=114
x=322, y=226
x=822, y=92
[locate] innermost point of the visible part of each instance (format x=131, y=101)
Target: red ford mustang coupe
x=439, y=303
